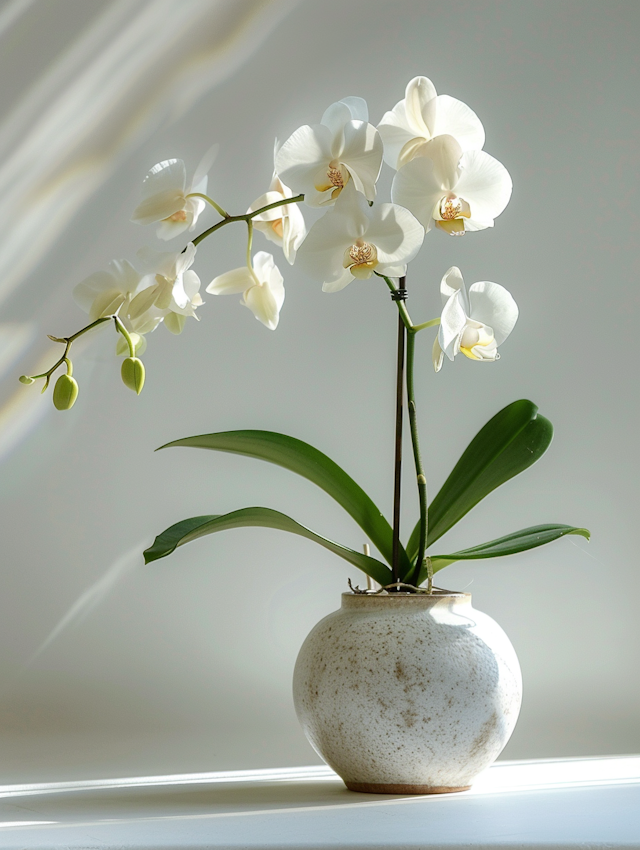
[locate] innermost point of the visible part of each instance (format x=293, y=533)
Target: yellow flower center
x=450, y=208
x=181, y=215
x=361, y=258
x=335, y=177
x=478, y=342
x=450, y=215
x=278, y=227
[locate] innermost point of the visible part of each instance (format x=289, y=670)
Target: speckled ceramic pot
x=407, y=693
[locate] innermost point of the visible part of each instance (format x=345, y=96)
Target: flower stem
x=67, y=340
x=247, y=216
x=209, y=200
x=125, y=333
x=420, y=476
x=395, y=560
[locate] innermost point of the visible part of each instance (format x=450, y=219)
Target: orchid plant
x=444, y=180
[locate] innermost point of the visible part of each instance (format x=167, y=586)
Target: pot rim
x=350, y=598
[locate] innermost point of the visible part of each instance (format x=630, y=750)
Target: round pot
x=407, y=693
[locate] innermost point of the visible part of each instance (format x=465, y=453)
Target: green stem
x=125, y=333
x=420, y=476
x=67, y=340
x=406, y=318
x=430, y=324
x=209, y=200
x=247, y=216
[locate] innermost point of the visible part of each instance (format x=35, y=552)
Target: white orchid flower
x=112, y=292
x=451, y=189
x=261, y=285
x=420, y=117
x=353, y=241
x=283, y=225
x=475, y=324
x=173, y=291
x=321, y=159
x=165, y=196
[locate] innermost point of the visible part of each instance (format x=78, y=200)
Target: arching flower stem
x=67, y=341
x=247, y=216
x=125, y=333
x=227, y=219
x=210, y=201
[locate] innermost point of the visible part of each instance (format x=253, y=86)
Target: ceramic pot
x=407, y=693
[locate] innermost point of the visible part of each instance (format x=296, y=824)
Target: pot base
x=375, y=788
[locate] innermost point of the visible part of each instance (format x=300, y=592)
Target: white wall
x=186, y=664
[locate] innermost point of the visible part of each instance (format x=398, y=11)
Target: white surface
x=561, y=804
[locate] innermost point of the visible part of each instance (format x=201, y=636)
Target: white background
x=185, y=665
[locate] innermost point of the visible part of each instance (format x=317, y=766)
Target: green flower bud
x=133, y=374
x=65, y=392
x=25, y=379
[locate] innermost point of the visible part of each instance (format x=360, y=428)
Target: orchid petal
x=237, y=280
x=143, y=301
x=362, y=155
x=264, y=200
x=357, y=107
x=394, y=270
x=168, y=229
x=322, y=252
x=452, y=324
x=162, y=192
x=494, y=306
x=306, y=151
x=294, y=232
x=420, y=105
x=394, y=139
x=338, y=283
x=415, y=187
x=335, y=117
x=174, y=322
x=170, y=175
x=445, y=153
x=106, y=303
x=86, y=292
x=184, y=259
x=260, y=300
x=485, y=184
x=437, y=355
x=455, y=118
x=396, y=233
x=452, y=282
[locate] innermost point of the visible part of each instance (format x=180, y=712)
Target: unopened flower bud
x=65, y=392
x=133, y=374
x=25, y=379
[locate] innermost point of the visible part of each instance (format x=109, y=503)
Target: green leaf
x=518, y=541
x=303, y=459
x=198, y=526
x=510, y=442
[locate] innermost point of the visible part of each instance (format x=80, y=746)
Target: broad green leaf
x=198, y=526
x=511, y=544
x=510, y=442
x=303, y=459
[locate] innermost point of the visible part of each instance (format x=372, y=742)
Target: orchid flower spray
x=444, y=182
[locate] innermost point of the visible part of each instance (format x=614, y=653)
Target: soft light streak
x=500, y=778
x=94, y=595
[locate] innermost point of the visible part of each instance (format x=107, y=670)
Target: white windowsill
x=568, y=803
